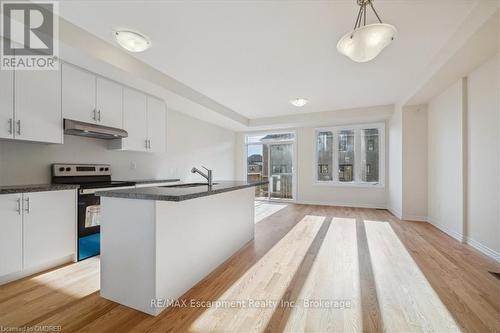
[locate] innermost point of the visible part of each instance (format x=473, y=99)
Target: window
x=369, y=155
x=325, y=156
x=350, y=155
x=346, y=155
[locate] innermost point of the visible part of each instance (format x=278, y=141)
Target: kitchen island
x=158, y=242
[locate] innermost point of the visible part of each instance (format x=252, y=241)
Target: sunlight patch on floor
x=265, y=209
x=267, y=280
x=406, y=299
x=53, y=288
x=334, y=276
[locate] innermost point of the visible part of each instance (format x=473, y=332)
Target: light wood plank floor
x=309, y=269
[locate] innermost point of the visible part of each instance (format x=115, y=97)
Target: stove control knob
x=68, y=169
x=107, y=169
x=61, y=169
x=101, y=169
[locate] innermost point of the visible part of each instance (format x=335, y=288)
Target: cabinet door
x=6, y=104
x=134, y=120
x=109, y=103
x=38, y=106
x=157, y=125
x=49, y=226
x=11, y=234
x=78, y=94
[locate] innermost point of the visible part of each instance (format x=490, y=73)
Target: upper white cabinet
x=6, y=104
x=135, y=120
x=11, y=234
x=144, y=118
x=109, y=103
x=157, y=123
x=78, y=94
x=49, y=226
x=30, y=105
x=38, y=106
x=89, y=98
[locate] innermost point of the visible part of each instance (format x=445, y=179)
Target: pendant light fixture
x=365, y=42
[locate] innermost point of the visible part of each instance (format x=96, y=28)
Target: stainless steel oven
x=91, y=178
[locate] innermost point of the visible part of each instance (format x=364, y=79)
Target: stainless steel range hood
x=74, y=127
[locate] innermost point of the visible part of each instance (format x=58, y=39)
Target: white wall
x=414, y=152
x=445, y=160
x=190, y=142
x=483, y=219
x=464, y=159
x=395, y=165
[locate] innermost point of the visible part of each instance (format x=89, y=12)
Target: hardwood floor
x=326, y=268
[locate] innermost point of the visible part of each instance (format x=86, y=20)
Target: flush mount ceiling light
x=365, y=42
x=299, y=102
x=132, y=41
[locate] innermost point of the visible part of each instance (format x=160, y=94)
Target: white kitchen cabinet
x=135, y=122
x=11, y=234
x=78, y=94
x=109, y=103
x=157, y=124
x=144, y=118
x=6, y=104
x=90, y=98
x=37, y=98
x=49, y=226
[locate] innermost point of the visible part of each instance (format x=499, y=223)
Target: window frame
x=357, y=156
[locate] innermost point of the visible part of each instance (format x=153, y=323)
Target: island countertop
x=173, y=193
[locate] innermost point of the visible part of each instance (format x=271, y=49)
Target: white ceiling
x=254, y=56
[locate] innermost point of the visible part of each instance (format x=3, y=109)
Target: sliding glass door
x=270, y=157
x=281, y=171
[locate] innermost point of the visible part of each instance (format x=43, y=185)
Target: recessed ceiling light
x=299, y=102
x=132, y=41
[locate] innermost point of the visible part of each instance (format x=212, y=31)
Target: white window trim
x=357, y=154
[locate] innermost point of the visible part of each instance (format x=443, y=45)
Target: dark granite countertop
x=165, y=193
x=35, y=188
x=152, y=181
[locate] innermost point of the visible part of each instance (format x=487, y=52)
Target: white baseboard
x=482, y=248
x=457, y=235
x=416, y=218
x=467, y=240
x=340, y=204
x=33, y=270
x=395, y=212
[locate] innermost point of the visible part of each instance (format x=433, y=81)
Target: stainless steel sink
x=189, y=185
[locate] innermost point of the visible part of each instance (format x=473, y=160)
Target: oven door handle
x=94, y=190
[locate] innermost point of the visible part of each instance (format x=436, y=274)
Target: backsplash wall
x=190, y=142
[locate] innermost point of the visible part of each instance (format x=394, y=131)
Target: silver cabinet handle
x=99, y=115
x=18, y=127
x=11, y=126
x=19, y=206
x=94, y=112
x=147, y=143
x=27, y=209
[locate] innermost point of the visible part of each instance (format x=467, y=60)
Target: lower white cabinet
x=49, y=226
x=37, y=229
x=11, y=234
